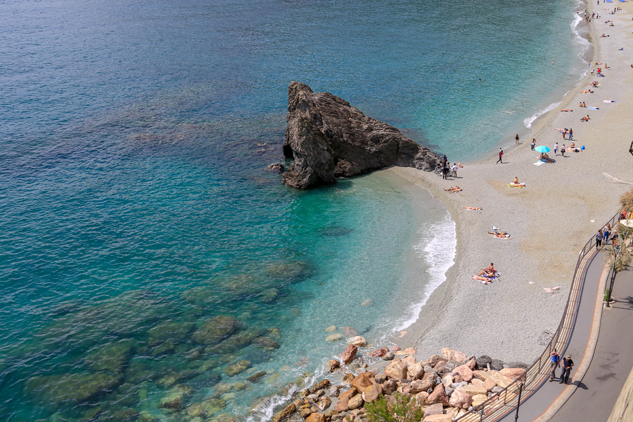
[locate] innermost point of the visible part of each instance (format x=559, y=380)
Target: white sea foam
x=578, y=38
x=528, y=122
x=265, y=410
x=438, y=247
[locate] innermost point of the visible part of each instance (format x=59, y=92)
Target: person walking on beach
x=554, y=362
x=562, y=150
x=533, y=144
x=516, y=139
x=599, y=239
x=500, y=160
x=571, y=133
x=555, y=148
x=454, y=168
x=567, y=365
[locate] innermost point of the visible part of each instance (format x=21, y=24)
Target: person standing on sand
x=567, y=365
x=533, y=144
x=554, y=362
x=500, y=156
x=454, y=168
x=516, y=139
x=562, y=150
x=555, y=148
x=571, y=133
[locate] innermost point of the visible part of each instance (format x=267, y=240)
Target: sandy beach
x=562, y=206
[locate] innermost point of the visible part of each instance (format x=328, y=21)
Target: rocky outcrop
x=328, y=138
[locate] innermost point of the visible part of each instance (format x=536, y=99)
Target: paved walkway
x=612, y=361
x=539, y=402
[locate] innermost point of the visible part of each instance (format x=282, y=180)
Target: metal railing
x=507, y=399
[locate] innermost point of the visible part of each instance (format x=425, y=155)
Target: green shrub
x=607, y=295
x=396, y=408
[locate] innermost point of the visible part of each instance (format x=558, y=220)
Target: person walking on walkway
x=599, y=238
x=554, y=361
x=567, y=365
x=500, y=156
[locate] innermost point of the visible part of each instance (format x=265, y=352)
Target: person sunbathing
x=585, y=119
x=489, y=271
x=586, y=91
x=595, y=83
x=544, y=157
x=484, y=280
x=516, y=180
x=567, y=109
x=584, y=104
x=499, y=234
x=453, y=189
x=603, y=36
x=473, y=208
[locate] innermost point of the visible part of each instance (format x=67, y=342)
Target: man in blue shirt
x=554, y=361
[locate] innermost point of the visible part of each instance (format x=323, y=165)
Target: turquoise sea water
x=136, y=214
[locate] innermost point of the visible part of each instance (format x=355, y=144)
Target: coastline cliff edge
x=328, y=139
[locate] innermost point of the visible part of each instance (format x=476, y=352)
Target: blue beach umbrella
x=542, y=149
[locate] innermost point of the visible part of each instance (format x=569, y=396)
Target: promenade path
x=612, y=360
x=539, y=404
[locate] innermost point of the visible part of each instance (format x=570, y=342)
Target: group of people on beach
x=445, y=168
x=487, y=275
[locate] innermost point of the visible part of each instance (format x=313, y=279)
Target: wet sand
x=562, y=206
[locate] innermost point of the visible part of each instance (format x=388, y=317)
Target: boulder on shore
x=328, y=138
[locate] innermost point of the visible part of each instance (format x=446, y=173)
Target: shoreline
x=571, y=196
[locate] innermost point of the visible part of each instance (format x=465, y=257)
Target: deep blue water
x=134, y=138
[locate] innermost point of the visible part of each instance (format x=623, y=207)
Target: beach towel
x=593, y=108
x=514, y=185
x=538, y=163
x=608, y=101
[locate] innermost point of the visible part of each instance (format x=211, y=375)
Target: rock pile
x=446, y=386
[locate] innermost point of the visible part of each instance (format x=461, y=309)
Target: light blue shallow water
x=135, y=205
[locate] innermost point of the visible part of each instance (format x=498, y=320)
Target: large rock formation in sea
x=329, y=138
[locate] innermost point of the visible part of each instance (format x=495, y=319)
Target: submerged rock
x=74, y=388
x=168, y=331
x=235, y=342
x=110, y=357
x=266, y=343
x=216, y=329
x=237, y=368
x=328, y=138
